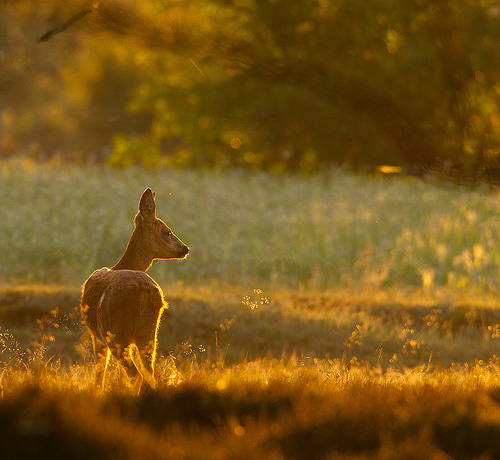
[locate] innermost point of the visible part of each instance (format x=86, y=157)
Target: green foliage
x=129, y=151
x=328, y=230
x=67, y=95
x=310, y=83
x=265, y=84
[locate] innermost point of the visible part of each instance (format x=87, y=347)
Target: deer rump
x=123, y=307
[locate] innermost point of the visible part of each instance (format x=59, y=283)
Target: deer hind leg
x=145, y=371
x=98, y=365
x=108, y=357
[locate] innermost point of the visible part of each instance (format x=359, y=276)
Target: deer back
x=122, y=306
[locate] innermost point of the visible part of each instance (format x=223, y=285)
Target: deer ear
x=147, y=205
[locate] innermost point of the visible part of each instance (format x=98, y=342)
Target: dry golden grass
x=376, y=333
x=260, y=409
x=230, y=386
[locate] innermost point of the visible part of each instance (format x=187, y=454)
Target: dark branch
x=49, y=34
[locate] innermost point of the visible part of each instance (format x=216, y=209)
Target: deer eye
x=167, y=233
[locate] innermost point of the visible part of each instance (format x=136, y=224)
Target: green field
x=332, y=230
x=325, y=316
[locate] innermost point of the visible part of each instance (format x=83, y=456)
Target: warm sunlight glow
x=235, y=143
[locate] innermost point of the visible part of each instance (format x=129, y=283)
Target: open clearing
x=359, y=321
x=258, y=375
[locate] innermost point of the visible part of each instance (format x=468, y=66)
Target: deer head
x=151, y=238
x=156, y=234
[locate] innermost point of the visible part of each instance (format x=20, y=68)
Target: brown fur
x=122, y=305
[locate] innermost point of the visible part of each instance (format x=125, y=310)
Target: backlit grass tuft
x=268, y=408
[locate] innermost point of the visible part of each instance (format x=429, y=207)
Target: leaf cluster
x=267, y=84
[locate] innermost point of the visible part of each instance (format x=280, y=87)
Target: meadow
x=335, y=315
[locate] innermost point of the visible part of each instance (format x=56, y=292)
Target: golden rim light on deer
x=122, y=305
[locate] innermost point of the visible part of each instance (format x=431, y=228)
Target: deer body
x=122, y=305
x=140, y=302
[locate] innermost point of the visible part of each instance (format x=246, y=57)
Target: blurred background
x=265, y=84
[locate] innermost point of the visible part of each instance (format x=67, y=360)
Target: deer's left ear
x=147, y=205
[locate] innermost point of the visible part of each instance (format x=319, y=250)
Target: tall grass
x=324, y=231
x=377, y=334
x=266, y=409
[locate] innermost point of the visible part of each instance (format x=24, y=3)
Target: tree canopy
x=263, y=83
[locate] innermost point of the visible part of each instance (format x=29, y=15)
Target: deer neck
x=136, y=257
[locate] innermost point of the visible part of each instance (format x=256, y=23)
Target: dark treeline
x=271, y=84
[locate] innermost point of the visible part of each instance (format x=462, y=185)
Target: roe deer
x=122, y=306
